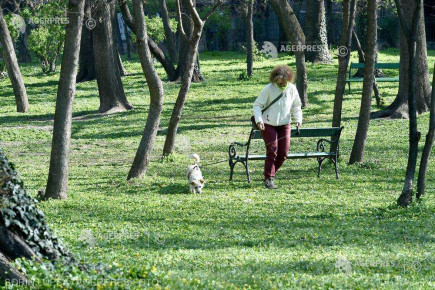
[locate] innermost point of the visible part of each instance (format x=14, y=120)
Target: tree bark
x=250, y=38
x=12, y=67
x=343, y=58
x=9, y=274
x=143, y=154
x=192, y=39
x=87, y=61
x=110, y=87
x=369, y=79
x=13, y=246
x=169, y=34
x=315, y=32
x=168, y=66
x=184, y=47
x=59, y=161
x=411, y=35
x=293, y=31
x=399, y=107
x=24, y=55
x=329, y=22
x=362, y=59
x=430, y=138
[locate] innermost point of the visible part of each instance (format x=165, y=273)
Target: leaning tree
x=349, y=8
x=369, y=78
x=430, y=138
x=410, y=30
x=59, y=160
x=293, y=31
x=143, y=154
x=191, y=38
x=13, y=69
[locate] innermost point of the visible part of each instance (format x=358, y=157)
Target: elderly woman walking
x=275, y=122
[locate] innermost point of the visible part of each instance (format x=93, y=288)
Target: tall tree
x=192, y=39
x=399, y=107
x=369, y=78
x=315, y=32
x=144, y=151
x=59, y=161
x=250, y=38
x=87, y=61
x=293, y=31
x=362, y=59
x=349, y=7
x=430, y=138
x=10, y=60
x=411, y=35
x=110, y=87
x=167, y=64
x=169, y=34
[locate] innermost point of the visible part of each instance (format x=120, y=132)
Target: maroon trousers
x=277, y=140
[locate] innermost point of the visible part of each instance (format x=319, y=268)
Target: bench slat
x=296, y=155
x=306, y=132
x=379, y=65
x=379, y=80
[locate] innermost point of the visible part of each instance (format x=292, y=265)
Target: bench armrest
x=232, y=151
x=321, y=144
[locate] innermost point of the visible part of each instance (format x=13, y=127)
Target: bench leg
x=336, y=167
x=232, y=164
x=320, y=161
x=349, y=86
x=247, y=171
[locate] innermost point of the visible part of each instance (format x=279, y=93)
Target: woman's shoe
x=268, y=183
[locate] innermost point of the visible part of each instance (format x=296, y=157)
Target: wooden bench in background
x=239, y=152
x=379, y=65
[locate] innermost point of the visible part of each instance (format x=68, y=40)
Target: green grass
x=235, y=234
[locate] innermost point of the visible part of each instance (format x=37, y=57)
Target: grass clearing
x=310, y=233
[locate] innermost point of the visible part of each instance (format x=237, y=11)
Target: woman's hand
x=260, y=125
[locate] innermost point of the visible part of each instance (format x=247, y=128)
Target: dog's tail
x=195, y=157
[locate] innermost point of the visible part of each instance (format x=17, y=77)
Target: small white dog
x=194, y=175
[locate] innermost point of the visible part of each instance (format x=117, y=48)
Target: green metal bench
x=378, y=65
x=320, y=154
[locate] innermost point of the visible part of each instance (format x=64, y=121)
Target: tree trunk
x=362, y=59
x=184, y=47
x=123, y=72
x=430, y=138
x=169, y=34
x=59, y=161
x=329, y=22
x=87, y=61
x=369, y=78
x=9, y=274
x=399, y=107
x=24, y=55
x=155, y=50
x=343, y=58
x=412, y=39
x=155, y=86
x=110, y=88
x=192, y=39
x=293, y=31
x=12, y=67
x=128, y=40
x=315, y=32
x=250, y=38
